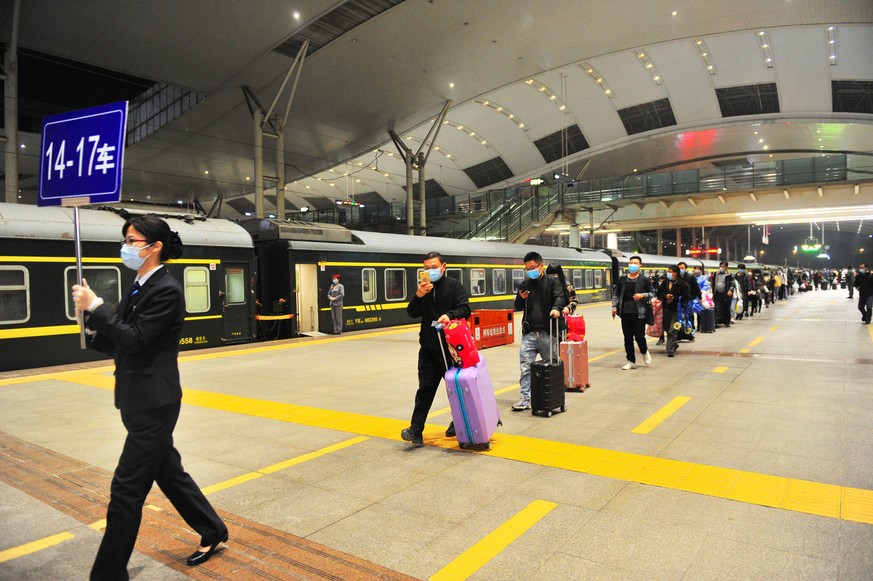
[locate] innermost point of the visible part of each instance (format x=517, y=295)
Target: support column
x=679, y=242
x=410, y=215
x=280, y=168
x=258, y=118
x=660, y=251
x=575, y=236
x=591, y=243
x=694, y=238
x=422, y=195
x=10, y=108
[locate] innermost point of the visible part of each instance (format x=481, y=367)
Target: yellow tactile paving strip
x=816, y=498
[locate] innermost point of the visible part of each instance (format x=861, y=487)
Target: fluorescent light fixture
x=650, y=66
x=548, y=93
x=766, y=49
x=598, y=78
x=832, y=45
x=705, y=56
x=505, y=112
x=466, y=130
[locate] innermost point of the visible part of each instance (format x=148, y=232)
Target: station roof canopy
x=595, y=89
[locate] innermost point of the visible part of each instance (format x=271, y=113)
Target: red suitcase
x=574, y=354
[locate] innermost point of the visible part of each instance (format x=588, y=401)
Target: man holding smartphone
x=438, y=299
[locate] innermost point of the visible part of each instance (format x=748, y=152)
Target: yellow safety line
x=829, y=500
x=870, y=330
x=720, y=369
x=494, y=543
x=756, y=341
x=657, y=418
x=745, y=350
x=225, y=484
x=99, y=525
x=34, y=546
x=774, y=327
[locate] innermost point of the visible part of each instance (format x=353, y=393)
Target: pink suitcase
x=574, y=354
x=474, y=407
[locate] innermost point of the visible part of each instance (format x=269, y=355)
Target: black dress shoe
x=199, y=557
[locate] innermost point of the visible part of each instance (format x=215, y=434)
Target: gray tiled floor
x=802, y=411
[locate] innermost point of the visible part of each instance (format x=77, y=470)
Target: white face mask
x=130, y=256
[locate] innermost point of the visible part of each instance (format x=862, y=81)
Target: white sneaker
x=647, y=358
x=629, y=365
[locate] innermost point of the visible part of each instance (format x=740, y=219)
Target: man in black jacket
x=439, y=299
x=722, y=284
x=670, y=292
x=541, y=298
x=864, y=284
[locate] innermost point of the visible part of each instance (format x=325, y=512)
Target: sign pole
x=81, y=163
x=79, y=275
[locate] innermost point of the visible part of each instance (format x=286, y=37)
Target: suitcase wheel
x=549, y=414
x=677, y=325
x=563, y=408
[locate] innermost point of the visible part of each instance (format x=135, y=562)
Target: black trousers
x=149, y=456
x=671, y=317
x=722, y=304
x=431, y=369
x=634, y=329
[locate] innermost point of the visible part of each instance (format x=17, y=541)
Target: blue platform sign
x=83, y=156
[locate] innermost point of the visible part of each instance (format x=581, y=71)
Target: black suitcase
x=547, y=385
x=707, y=321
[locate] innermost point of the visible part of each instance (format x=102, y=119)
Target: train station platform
x=749, y=455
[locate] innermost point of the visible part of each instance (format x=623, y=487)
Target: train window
x=456, y=274
x=577, y=279
x=589, y=279
x=498, y=281
x=477, y=281
x=598, y=279
x=608, y=278
x=395, y=284
x=368, y=285
x=197, y=289
x=105, y=281
x=517, y=279
x=15, y=294
x=235, y=286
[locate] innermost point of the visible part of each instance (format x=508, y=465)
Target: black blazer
x=142, y=334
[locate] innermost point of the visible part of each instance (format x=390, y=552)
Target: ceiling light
x=597, y=78
x=304, y=208
x=704, y=56
x=272, y=215
x=248, y=178
x=832, y=45
x=674, y=13
x=296, y=15
x=206, y=172
x=650, y=66
x=766, y=51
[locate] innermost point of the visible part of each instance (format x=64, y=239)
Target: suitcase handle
x=557, y=328
x=439, y=327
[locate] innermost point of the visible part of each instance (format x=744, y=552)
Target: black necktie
x=135, y=289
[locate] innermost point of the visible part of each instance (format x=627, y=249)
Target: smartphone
x=423, y=277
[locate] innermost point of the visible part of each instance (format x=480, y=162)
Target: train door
x=307, y=297
x=236, y=317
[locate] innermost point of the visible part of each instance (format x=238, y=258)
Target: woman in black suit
x=142, y=334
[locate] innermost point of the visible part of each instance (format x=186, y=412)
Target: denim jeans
x=532, y=343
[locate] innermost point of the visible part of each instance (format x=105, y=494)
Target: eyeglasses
x=130, y=240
